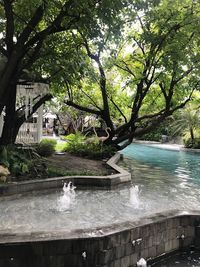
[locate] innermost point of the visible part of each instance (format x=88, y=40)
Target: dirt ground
x=69, y=162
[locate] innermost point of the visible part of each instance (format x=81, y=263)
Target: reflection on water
x=160, y=181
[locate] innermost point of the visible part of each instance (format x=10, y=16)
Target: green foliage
x=94, y=151
x=4, y=156
x=189, y=143
x=74, y=142
x=150, y=74
x=187, y=121
x=46, y=147
x=61, y=146
x=152, y=136
x=151, y=69
x=17, y=159
x=156, y=135
x=54, y=172
x=79, y=145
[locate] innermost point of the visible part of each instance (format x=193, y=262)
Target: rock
x=3, y=179
x=4, y=172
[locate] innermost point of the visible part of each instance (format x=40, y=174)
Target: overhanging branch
x=41, y=101
x=89, y=110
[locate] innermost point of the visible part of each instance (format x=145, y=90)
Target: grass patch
x=54, y=172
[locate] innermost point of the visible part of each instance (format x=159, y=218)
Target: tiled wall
x=121, y=249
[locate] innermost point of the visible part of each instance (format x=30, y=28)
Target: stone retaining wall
x=114, y=246
x=95, y=182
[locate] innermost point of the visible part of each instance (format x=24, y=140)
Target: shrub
x=46, y=147
x=55, y=172
x=156, y=134
x=77, y=144
x=152, y=136
x=17, y=159
x=61, y=147
x=189, y=143
x=196, y=143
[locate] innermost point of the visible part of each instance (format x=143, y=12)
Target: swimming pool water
x=166, y=180
x=178, y=163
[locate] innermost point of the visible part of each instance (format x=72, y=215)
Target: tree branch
x=150, y=116
x=32, y=57
x=36, y=18
x=9, y=24
x=184, y=75
x=42, y=100
x=89, y=110
x=163, y=90
x=22, y=107
x=102, y=83
x=126, y=68
x=3, y=51
x=55, y=25
x=122, y=114
x=91, y=99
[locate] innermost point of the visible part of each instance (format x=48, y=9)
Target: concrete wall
x=116, y=246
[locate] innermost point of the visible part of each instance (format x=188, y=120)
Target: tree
x=187, y=120
x=27, y=27
x=158, y=74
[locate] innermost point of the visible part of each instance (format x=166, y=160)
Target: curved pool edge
x=167, y=146
x=115, y=245
x=87, y=182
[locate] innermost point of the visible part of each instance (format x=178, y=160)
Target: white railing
x=28, y=133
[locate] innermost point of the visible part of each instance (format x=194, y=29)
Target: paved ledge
x=167, y=146
x=86, y=182
x=114, y=245
x=192, y=150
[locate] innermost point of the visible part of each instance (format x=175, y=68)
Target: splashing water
x=134, y=196
x=69, y=188
x=142, y=263
x=67, y=200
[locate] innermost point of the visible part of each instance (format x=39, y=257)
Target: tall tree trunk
x=9, y=129
x=192, y=134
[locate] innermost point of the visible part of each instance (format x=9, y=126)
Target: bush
x=189, y=143
x=77, y=144
x=46, y=147
x=96, y=151
x=18, y=159
x=15, y=158
x=61, y=147
x=152, y=136
x=157, y=133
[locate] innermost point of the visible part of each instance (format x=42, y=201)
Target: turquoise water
x=162, y=180
x=181, y=164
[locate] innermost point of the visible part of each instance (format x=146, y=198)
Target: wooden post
x=39, y=123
